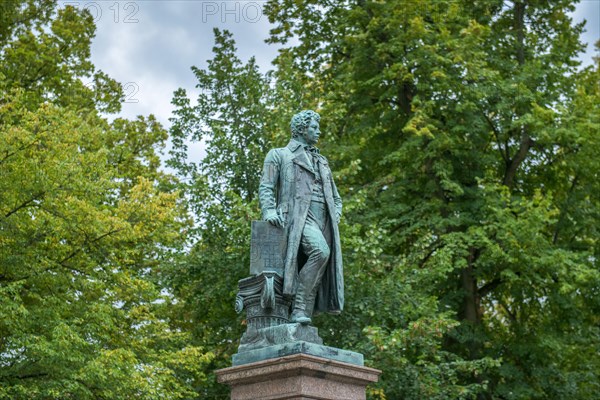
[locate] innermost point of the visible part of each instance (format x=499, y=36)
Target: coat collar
x=293, y=145
x=300, y=156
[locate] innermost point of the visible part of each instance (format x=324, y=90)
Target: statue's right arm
x=268, y=186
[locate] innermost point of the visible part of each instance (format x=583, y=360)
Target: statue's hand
x=338, y=216
x=275, y=219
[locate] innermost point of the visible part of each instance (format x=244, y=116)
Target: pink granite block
x=298, y=376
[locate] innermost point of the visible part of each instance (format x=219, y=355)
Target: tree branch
x=24, y=204
x=29, y=376
x=503, y=154
x=564, y=210
x=79, y=250
x=433, y=249
x=520, y=28
x=526, y=141
x=488, y=287
x=515, y=163
x=511, y=315
x=25, y=146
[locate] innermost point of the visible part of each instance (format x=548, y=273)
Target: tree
x=87, y=223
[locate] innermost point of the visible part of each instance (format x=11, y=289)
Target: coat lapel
x=299, y=156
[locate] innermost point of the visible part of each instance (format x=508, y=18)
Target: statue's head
x=305, y=125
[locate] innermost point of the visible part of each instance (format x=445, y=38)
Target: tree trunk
x=471, y=305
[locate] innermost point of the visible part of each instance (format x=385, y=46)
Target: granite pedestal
x=298, y=377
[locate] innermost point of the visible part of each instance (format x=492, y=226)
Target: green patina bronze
x=298, y=347
x=297, y=193
x=295, y=253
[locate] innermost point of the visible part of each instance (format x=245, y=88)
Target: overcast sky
x=149, y=46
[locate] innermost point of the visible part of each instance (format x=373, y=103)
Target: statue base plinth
x=285, y=333
x=298, y=377
x=299, y=347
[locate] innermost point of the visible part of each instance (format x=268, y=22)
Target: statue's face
x=312, y=132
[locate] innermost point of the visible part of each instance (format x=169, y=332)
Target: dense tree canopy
x=86, y=223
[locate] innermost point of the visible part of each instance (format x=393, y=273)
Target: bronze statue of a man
x=297, y=193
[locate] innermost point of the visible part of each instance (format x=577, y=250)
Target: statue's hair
x=301, y=120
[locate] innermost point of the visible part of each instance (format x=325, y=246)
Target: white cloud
x=153, y=56
x=588, y=10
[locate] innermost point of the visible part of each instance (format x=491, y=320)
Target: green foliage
x=46, y=53
x=230, y=117
x=87, y=224
x=82, y=316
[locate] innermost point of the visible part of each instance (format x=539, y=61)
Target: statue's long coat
x=286, y=188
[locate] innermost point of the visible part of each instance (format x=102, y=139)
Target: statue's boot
x=300, y=317
x=299, y=313
x=317, y=250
